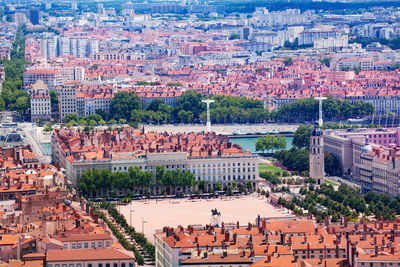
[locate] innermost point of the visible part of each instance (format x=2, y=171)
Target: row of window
x=227, y=178
x=86, y=245
x=115, y=264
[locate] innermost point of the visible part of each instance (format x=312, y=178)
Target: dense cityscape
x=199, y=133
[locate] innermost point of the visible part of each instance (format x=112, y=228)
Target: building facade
x=317, y=167
x=40, y=102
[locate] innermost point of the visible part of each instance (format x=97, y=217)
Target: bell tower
x=317, y=166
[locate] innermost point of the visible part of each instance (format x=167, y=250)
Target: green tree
x=82, y=122
x=185, y=116
x=234, y=36
x=123, y=103
x=190, y=101
x=102, y=113
x=70, y=117
x=48, y=128
x=288, y=61
x=326, y=61
x=301, y=138
x=332, y=165
x=270, y=142
x=53, y=99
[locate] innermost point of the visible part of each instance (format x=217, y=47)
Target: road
x=31, y=140
x=228, y=129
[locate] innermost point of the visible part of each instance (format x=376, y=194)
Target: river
x=250, y=142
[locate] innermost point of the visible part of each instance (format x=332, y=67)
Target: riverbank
x=226, y=129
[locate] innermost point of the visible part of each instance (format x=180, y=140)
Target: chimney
x=264, y=224
x=268, y=259
x=234, y=238
x=224, y=254
x=226, y=236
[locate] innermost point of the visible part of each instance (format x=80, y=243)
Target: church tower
x=317, y=167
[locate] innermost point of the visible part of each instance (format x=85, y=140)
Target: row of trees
x=307, y=110
x=121, y=238
x=126, y=107
x=140, y=239
x=104, y=183
x=188, y=109
x=12, y=95
x=392, y=43
x=346, y=201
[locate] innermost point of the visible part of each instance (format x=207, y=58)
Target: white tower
x=208, y=102
x=320, y=99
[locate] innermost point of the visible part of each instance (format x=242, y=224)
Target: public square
x=174, y=212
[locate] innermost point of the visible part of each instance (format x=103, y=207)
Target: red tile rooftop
x=104, y=145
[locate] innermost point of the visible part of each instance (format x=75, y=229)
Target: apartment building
x=267, y=242
x=170, y=98
x=52, y=78
x=369, y=156
x=90, y=258
x=209, y=157
x=72, y=74
x=55, y=46
x=84, y=241
x=40, y=102
x=67, y=99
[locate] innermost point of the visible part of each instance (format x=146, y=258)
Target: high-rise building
x=317, y=155
x=100, y=9
x=67, y=99
x=20, y=18
x=34, y=16
x=74, y=5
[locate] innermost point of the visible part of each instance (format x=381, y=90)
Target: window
x=93, y=244
x=89, y=265
x=107, y=244
x=108, y=265
x=65, y=246
x=99, y=244
x=79, y=245
x=73, y=245
x=49, y=265
x=86, y=245
x=115, y=264
x=64, y=265
x=71, y=265
x=57, y=265
x=123, y=264
x=100, y=265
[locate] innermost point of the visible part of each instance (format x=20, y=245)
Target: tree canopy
x=270, y=142
x=123, y=103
